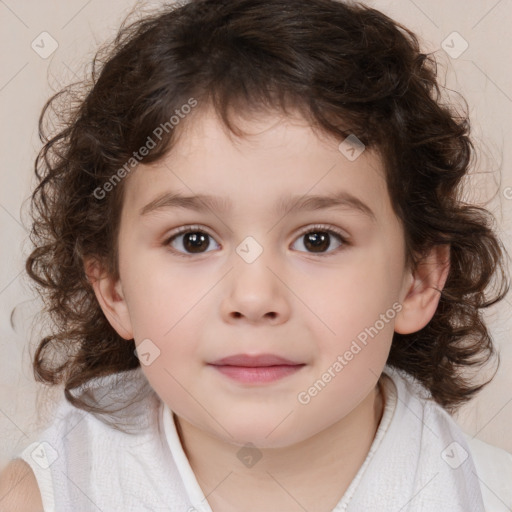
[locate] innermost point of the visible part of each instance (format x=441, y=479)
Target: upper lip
x=254, y=361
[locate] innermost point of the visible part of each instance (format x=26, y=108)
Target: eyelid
x=326, y=227
x=306, y=229
x=188, y=228
x=345, y=239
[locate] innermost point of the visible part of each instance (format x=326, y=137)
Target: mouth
x=256, y=369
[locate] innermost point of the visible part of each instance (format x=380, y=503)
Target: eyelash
x=201, y=229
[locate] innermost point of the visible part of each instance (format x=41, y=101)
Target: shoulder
x=494, y=469
x=492, y=465
x=19, y=491
x=26, y=480
x=490, y=456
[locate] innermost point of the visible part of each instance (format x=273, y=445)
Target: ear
x=422, y=292
x=109, y=294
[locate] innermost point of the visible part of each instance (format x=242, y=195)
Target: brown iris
x=317, y=241
x=195, y=241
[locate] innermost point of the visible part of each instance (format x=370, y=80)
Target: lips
x=255, y=370
x=249, y=361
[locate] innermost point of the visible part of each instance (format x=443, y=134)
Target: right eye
x=189, y=240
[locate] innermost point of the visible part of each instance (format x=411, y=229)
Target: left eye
x=193, y=240
x=318, y=240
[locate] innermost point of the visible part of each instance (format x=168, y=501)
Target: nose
x=256, y=292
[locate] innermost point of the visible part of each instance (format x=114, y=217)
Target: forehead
x=280, y=156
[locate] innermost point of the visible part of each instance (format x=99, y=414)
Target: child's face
x=303, y=298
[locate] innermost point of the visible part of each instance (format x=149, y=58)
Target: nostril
x=272, y=314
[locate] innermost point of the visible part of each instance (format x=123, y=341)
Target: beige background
x=482, y=74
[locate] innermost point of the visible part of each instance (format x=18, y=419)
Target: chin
x=263, y=432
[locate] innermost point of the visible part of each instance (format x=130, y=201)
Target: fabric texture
x=420, y=459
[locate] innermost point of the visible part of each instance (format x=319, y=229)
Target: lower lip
x=258, y=374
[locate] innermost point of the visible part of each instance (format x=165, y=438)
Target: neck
x=313, y=474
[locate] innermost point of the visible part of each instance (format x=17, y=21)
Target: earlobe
x=110, y=296
x=423, y=291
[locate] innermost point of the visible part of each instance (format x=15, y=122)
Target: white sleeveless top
x=420, y=459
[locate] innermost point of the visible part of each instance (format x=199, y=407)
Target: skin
x=291, y=301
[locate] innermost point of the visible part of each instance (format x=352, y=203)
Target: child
x=265, y=285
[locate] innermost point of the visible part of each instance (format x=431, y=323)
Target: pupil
x=193, y=242
x=317, y=240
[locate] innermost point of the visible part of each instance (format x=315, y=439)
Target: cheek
x=355, y=296
x=161, y=297
x=176, y=345
x=353, y=351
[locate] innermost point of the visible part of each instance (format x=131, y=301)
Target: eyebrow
x=204, y=202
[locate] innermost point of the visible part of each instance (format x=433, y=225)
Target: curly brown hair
x=348, y=69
